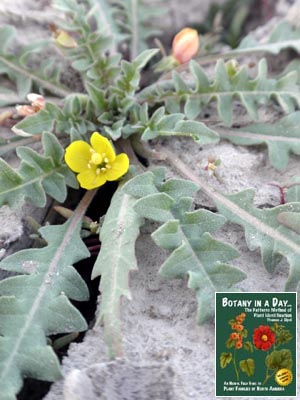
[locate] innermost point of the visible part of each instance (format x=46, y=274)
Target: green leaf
x=114, y=262
x=262, y=229
x=129, y=78
x=282, y=138
x=247, y=366
x=135, y=19
x=248, y=346
x=102, y=12
x=290, y=219
x=155, y=206
x=283, y=336
x=225, y=88
x=73, y=119
x=284, y=36
x=187, y=234
x=37, y=175
x=175, y=125
x=35, y=124
x=279, y=359
x=35, y=304
x=225, y=359
x=17, y=66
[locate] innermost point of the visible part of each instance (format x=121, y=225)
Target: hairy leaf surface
x=135, y=19
x=226, y=87
x=18, y=66
x=35, y=304
x=262, y=227
x=73, y=119
x=187, y=234
x=284, y=36
x=282, y=138
x=37, y=175
x=116, y=259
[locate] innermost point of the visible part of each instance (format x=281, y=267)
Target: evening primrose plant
x=97, y=163
x=110, y=129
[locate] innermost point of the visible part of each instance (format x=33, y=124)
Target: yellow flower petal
x=90, y=180
x=78, y=155
x=102, y=145
x=118, y=168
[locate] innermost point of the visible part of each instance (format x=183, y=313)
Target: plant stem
x=268, y=376
x=235, y=366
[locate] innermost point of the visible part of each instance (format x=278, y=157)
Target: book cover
x=256, y=344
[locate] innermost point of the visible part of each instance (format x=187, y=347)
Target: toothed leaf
x=187, y=234
x=114, y=262
x=282, y=138
x=35, y=304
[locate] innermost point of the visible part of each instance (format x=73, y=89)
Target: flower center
x=264, y=338
x=96, y=158
x=100, y=161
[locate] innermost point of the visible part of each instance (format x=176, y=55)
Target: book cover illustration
x=256, y=344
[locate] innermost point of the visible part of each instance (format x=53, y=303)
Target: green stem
x=268, y=376
x=235, y=366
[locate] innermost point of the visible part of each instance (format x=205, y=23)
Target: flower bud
x=185, y=45
x=63, y=39
x=25, y=111
x=37, y=101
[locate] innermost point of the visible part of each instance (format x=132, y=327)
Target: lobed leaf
x=187, y=234
x=225, y=88
x=282, y=138
x=37, y=175
x=262, y=228
x=35, y=304
x=74, y=119
x=18, y=66
x=160, y=123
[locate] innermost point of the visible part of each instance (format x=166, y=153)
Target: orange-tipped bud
x=185, y=45
x=239, y=344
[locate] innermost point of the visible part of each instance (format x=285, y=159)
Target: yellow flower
x=97, y=163
x=185, y=45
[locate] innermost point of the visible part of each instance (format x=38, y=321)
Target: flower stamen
x=96, y=158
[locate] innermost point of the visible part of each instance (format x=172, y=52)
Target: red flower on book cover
x=263, y=337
